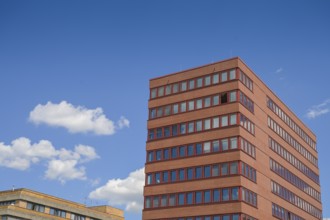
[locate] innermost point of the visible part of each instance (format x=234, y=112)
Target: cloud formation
x=76, y=119
x=128, y=191
x=62, y=164
x=279, y=70
x=318, y=110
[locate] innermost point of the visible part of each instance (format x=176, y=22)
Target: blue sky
x=74, y=82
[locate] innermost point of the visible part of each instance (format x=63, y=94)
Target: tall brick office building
x=222, y=146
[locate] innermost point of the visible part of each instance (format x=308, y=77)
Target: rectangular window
x=207, y=147
x=155, y=202
x=182, y=128
x=207, y=102
x=158, y=155
x=160, y=112
x=181, y=175
x=182, y=150
x=157, y=178
x=175, y=88
x=163, y=201
x=232, y=74
x=224, y=169
x=215, y=170
x=215, y=78
x=199, y=125
x=174, y=153
x=224, y=98
x=190, y=197
x=207, y=80
x=191, y=105
x=216, y=195
x=207, y=124
x=207, y=171
x=166, y=154
x=161, y=91
x=224, y=77
x=153, y=93
x=165, y=177
x=181, y=198
x=172, y=200
x=198, y=172
x=150, y=156
x=215, y=122
x=216, y=146
x=148, y=202
x=191, y=84
x=183, y=107
x=183, y=86
x=190, y=173
x=173, y=176
x=224, y=121
x=233, y=119
x=198, y=197
x=199, y=82
x=153, y=113
x=167, y=131
x=225, y=194
x=167, y=110
x=168, y=89
x=199, y=103
x=174, y=130
x=199, y=149
x=233, y=143
x=232, y=96
x=191, y=127
x=149, y=179
x=190, y=150
x=207, y=196
x=159, y=132
x=215, y=100
x=224, y=144
x=234, y=168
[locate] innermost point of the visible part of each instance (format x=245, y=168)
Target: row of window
x=198, y=149
x=9, y=202
x=201, y=197
x=54, y=211
x=295, y=200
x=282, y=115
x=294, y=180
x=200, y=82
x=233, y=216
x=200, y=103
x=277, y=148
x=283, y=214
x=291, y=141
x=193, y=126
x=202, y=172
x=247, y=124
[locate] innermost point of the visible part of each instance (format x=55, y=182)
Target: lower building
x=25, y=204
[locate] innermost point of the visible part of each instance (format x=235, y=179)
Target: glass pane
x=183, y=107
x=216, y=195
x=198, y=172
x=233, y=119
x=232, y=96
x=216, y=100
x=190, y=150
x=190, y=173
x=161, y=91
x=155, y=202
x=181, y=174
x=215, y=170
x=215, y=78
x=207, y=196
x=207, y=147
x=207, y=102
x=216, y=146
x=166, y=154
x=173, y=176
x=234, y=193
x=172, y=200
x=168, y=89
x=224, y=121
x=182, y=150
x=191, y=127
x=234, y=168
x=224, y=98
x=199, y=82
x=183, y=86
x=158, y=155
x=224, y=169
x=175, y=88
x=207, y=171
x=182, y=128
x=153, y=93
x=207, y=80
x=224, y=144
x=233, y=143
x=191, y=105
x=232, y=74
x=181, y=199
x=215, y=122
x=199, y=103
x=198, y=197
x=174, y=152
x=190, y=197
x=225, y=195
x=224, y=77
x=207, y=124
x=199, y=149
x=191, y=84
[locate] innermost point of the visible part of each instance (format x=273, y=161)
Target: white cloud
x=128, y=191
x=62, y=164
x=279, y=70
x=76, y=119
x=318, y=110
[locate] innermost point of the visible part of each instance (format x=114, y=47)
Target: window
x=215, y=122
x=153, y=113
x=190, y=150
x=78, y=217
x=173, y=176
x=224, y=144
x=158, y=155
x=157, y=178
x=233, y=143
x=168, y=90
x=165, y=177
x=207, y=80
x=155, y=202
x=207, y=196
x=232, y=74
x=215, y=78
x=232, y=96
x=199, y=149
x=225, y=194
x=153, y=93
x=207, y=124
x=234, y=168
x=199, y=82
x=199, y=103
x=215, y=170
x=224, y=121
x=190, y=173
x=190, y=127
x=224, y=98
x=183, y=86
x=224, y=77
x=191, y=105
x=160, y=91
x=190, y=197
x=166, y=154
x=174, y=130
x=181, y=174
x=198, y=172
x=183, y=107
x=159, y=132
x=150, y=156
x=199, y=125
x=215, y=100
x=207, y=171
x=57, y=212
x=233, y=119
x=181, y=199
x=172, y=200
x=216, y=195
x=207, y=102
x=35, y=207
x=174, y=152
x=148, y=203
x=160, y=112
x=182, y=150
x=175, y=88
x=207, y=147
x=167, y=110
x=175, y=108
x=224, y=169
x=182, y=128
x=191, y=84
x=234, y=193
x=198, y=197
x=216, y=146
